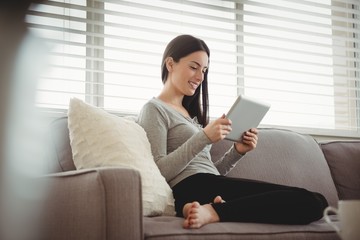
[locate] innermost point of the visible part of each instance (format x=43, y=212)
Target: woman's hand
x=218, y=129
x=248, y=141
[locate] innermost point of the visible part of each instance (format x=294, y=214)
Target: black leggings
x=250, y=200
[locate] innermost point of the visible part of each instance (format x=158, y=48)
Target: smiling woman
x=180, y=137
x=183, y=70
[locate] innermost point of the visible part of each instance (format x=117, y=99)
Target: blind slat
x=301, y=56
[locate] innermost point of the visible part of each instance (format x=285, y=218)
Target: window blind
x=300, y=56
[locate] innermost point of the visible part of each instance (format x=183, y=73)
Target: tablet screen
x=245, y=113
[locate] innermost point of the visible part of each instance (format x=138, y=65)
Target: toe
x=217, y=199
x=186, y=224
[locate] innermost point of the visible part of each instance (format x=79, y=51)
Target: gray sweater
x=179, y=145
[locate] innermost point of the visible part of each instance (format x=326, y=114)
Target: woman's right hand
x=218, y=129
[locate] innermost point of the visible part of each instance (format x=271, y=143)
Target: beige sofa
x=105, y=203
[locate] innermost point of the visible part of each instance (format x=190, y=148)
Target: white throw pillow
x=100, y=139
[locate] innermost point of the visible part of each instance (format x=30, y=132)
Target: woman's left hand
x=248, y=141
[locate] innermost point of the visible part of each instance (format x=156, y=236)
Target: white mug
x=349, y=219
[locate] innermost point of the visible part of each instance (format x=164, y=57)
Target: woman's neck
x=174, y=102
x=171, y=99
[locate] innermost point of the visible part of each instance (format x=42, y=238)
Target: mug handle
x=327, y=218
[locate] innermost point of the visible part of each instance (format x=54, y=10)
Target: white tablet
x=245, y=113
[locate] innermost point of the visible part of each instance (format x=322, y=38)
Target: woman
x=176, y=123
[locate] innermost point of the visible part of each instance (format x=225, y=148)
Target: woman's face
x=187, y=74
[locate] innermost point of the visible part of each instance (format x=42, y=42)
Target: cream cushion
x=101, y=139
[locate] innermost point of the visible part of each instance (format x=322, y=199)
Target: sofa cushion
x=165, y=228
x=288, y=158
x=343, y=158
x=60, y=159
x=100, y=139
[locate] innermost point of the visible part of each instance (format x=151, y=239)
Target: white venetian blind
x=301, y=56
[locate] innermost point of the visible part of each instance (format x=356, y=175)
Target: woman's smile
x=193, y=85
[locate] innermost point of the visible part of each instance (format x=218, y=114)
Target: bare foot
x=186, y=208
x=200, y=215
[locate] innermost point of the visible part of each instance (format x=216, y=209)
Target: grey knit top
x=179, y=145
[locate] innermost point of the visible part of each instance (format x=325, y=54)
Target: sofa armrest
x=102, y=203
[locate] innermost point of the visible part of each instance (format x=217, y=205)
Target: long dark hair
x=178, y=48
